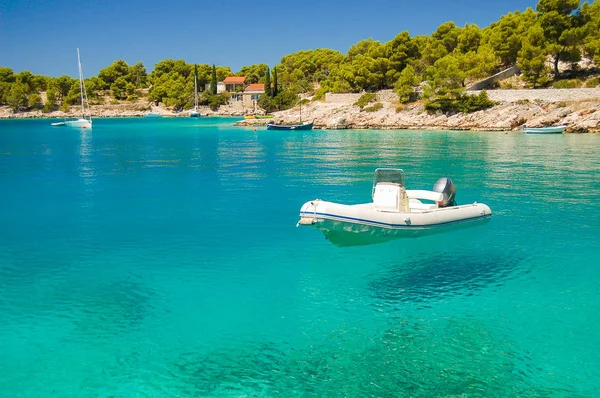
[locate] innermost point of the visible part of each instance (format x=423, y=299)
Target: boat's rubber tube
x=339, y=221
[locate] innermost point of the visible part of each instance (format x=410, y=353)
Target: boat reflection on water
x=350, y=234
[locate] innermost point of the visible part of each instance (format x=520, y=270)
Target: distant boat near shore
x=82, y=122
x=258, y=117
x=153, y=115
x=544, y=130
x=297, y=126
x=294, y=126
x=195, y=112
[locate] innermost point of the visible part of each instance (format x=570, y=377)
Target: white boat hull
x=544, y=130
x=79, y=123
x=347, y=225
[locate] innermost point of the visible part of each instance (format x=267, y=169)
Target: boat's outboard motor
x=445, y=186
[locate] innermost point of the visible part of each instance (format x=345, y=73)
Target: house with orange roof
x=235, y=86
x=234, y=83
x=252, y=93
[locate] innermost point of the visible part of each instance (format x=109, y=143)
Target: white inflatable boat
x=394, y=213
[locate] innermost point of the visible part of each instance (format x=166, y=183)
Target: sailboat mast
x=195, y=92
x=80, y=85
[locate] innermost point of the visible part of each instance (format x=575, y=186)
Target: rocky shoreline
x=579, y=116
x=122, y=110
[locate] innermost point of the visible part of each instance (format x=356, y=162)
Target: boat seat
x=425, y=195
x=389, y=197
x=416, y=204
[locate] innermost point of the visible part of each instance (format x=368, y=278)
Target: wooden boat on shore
x=544, y=130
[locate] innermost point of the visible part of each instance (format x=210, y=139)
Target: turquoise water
x=160, y=258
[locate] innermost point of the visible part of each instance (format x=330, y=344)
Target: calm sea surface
x=161, y=258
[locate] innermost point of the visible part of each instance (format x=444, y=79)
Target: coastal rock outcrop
x=579, y=116
x=339, y=112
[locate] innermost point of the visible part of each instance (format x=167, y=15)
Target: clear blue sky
x=42, y=35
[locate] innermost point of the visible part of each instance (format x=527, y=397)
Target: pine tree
x=532, y=57
x=268, y=83
x=275, y=88
x=213, y=80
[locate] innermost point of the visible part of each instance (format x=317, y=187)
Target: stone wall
x=547, y=95
x=505, y=74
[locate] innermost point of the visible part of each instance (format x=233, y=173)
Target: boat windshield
x=394, y=176
x=389, y=176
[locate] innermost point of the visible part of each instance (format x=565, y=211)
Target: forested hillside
x=438, y=66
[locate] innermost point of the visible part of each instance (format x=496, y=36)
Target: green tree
x=73, y=97
x=223, y=72
x=275, y=85
x=17, y=97
x=268, y=90
x=432, y=51
x=400, y=51
x=119, y=88
x=213, y=80
x=405, y=86
x=480, y=63
x=7, y=75
x=301, y=70
x=130, y=89
x=110, y=74
x=561, y=29
x=532, y=57
x=506, y=35
x=447, y=33
x=469, y=39
x=34, y=101
x=253, y=73
x=137, y=75
x=62, y=85
x=590, y=18
x=447, y=75
x=51, y=100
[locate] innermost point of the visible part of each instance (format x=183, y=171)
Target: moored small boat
x=544, y=130
x=195, y=112
x=77, y=123
x=296, y=126
x=153, y=115
x=395, y=212
x=82, y=122
x=258, y=117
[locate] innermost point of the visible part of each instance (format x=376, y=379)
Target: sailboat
x=195, y=113
x=80, y=122
x=295, y=126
